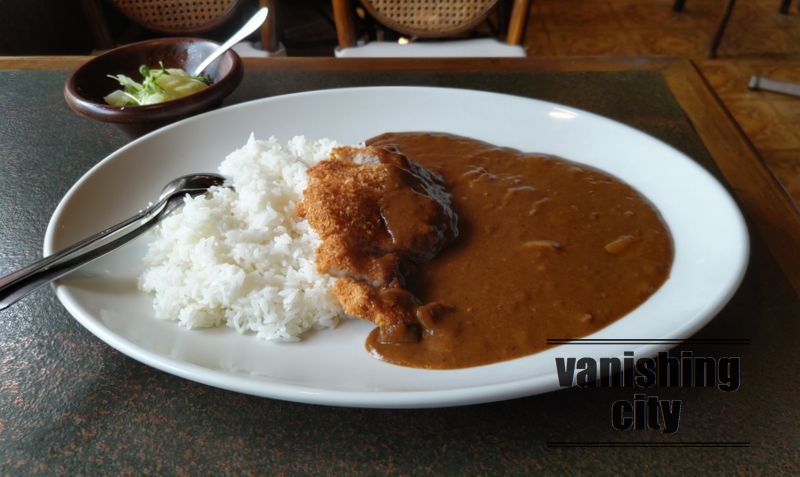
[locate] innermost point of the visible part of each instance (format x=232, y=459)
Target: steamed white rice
x=240, y=256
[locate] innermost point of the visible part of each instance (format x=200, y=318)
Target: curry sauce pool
x=546, y=248
x=538, y=247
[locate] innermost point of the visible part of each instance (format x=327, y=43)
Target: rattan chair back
x=179, y=16
x=430, y=19
x=435, y=19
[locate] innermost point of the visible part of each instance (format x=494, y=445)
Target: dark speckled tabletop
x=72, y=405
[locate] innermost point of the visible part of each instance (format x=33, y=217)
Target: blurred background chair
x=213, y=19
x=419, y=28
x=722, y=24
x=784, y=6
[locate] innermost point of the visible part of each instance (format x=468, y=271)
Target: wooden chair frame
x=722, y=24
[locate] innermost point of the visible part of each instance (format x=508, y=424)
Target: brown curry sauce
x=546, y=248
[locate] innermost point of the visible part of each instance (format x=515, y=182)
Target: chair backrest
x=181, y=17
x=177, y=17
x=427, y=19
x=431, y=19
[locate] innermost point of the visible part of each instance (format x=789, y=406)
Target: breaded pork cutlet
x=379, y=215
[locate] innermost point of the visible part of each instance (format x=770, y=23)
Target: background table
x=69, y=404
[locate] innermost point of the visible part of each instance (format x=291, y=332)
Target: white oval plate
x=331, y=367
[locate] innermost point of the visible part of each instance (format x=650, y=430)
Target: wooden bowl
x=87, y=86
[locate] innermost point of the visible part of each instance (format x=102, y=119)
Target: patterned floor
x=759, y=40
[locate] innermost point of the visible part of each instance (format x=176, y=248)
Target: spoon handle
x=21, y=282
x=248, y=28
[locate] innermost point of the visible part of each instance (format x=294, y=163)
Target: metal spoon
x=248, y=28
x=18, y=284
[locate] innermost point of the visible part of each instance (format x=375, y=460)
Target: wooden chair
x=722, y=24
x=174, y=17
x=784, y=6
x=427, y=20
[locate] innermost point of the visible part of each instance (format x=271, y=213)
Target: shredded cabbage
x=159, y=85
